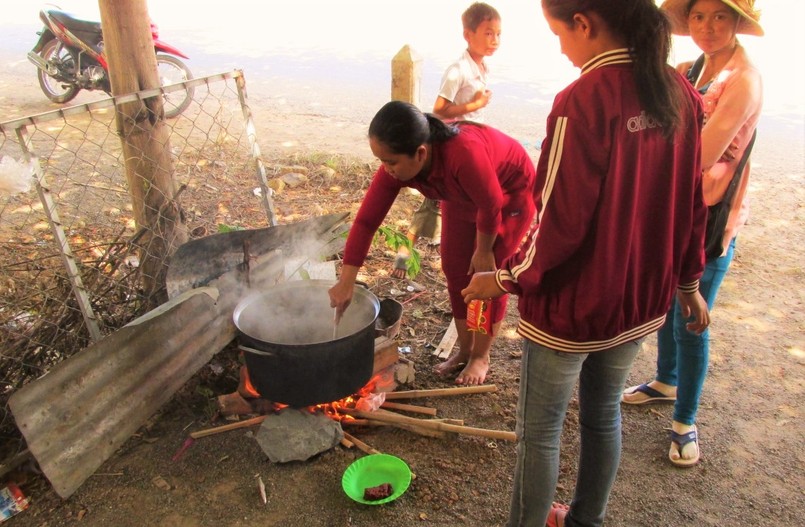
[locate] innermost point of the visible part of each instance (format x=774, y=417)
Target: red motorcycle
x=69, y=58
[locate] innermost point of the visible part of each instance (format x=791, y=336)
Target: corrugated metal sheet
x=85, y=408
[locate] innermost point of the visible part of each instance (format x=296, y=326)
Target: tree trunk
x=129, y=50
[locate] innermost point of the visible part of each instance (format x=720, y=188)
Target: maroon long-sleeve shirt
x=621, y=216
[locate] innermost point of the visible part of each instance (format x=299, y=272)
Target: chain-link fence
x=71, y=250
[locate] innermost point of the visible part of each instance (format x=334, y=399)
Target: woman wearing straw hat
x=732, y=94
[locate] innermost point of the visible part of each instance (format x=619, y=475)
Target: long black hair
x=403, y=128
x=647, y=32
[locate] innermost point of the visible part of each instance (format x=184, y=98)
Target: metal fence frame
x=211, y=110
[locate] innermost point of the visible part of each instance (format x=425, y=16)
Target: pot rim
x=245, y=302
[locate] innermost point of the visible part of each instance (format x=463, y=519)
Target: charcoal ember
x=378, y=493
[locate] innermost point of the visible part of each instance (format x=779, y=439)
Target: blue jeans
x=547, y=379
x=682, y=356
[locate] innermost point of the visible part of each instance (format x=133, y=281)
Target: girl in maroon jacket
x=621, y=228
x=485, y=181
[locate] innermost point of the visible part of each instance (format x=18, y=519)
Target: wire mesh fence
x=71, y=248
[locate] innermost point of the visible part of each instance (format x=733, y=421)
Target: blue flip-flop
x=654, y=396
x=680, y=440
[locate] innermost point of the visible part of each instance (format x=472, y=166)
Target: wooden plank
x=386, y=354
x=448, y=341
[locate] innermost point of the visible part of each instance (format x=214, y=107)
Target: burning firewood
x=441, y=392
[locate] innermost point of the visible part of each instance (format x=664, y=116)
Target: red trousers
x=458, y=245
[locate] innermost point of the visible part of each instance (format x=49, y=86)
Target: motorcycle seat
x=75, y=24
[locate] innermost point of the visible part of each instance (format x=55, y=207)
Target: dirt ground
x=751, y=425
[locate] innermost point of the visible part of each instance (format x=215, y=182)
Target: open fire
x=375, y=404
x=368, y=398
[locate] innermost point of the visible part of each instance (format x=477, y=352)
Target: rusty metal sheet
x=197, y=262
x=86, y=407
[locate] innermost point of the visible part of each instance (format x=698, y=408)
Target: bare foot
x=450, y=366
x=556, y=518
x=474, y=372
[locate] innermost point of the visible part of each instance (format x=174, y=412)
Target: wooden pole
x=129, y=50
x=441, y=392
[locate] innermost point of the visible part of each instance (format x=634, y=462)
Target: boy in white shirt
x=462, y=96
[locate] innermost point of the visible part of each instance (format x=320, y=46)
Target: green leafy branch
x=394, y=240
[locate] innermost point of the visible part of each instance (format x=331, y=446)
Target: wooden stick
x=240, y=424
x=441, y=392
x=427, y=432
x=420, y=430
x=409, y=408
x=346, y=443
x=372, y=422
x=360, y=444
x=355, y=422
x=448, y=341
x=430, y=423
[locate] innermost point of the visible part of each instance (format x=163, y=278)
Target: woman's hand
x=729, y=153
x=482, y=286
x=694, y=306
x=341, y=293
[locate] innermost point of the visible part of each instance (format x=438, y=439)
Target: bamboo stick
x=355, y=422
x=429, y=423
x=420, y=430
x=441, y=392
x=372, y=422
x=409, y=408
x=232, y=426
x=360, y=444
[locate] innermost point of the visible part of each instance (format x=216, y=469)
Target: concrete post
x=406, y=76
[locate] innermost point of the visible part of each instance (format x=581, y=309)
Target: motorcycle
x=69, y=58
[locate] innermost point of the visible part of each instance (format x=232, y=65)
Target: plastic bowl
x=374, y=470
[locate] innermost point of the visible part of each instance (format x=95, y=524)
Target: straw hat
x=748, y=25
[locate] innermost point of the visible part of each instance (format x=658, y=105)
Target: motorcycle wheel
x=172, y=70
x=56, y=90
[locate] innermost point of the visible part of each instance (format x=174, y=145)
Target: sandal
x=556, y=518
x=652, y=395
x=680, y=440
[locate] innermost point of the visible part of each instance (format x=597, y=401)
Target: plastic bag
x=15, y=177
x=371, y=402
x=12, y=501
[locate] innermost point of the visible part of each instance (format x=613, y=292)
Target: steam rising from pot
x=299, y=313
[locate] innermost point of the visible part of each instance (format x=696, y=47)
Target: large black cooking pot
x=286, y=334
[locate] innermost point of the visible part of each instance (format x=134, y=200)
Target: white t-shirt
x=461, y=81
